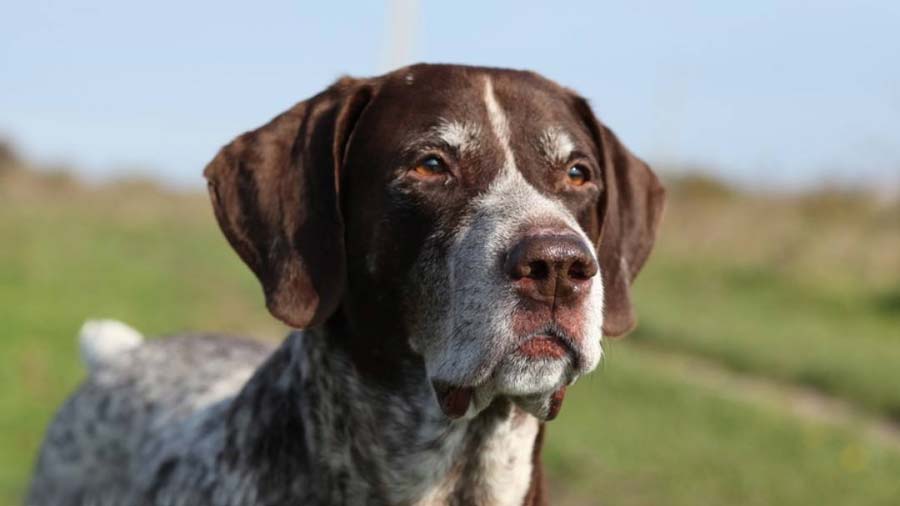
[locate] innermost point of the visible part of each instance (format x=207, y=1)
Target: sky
x=766, y=93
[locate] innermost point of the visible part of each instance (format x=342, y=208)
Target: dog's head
x=483, y=217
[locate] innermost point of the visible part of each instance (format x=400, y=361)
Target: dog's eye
x=577, y=175
x=431, y=166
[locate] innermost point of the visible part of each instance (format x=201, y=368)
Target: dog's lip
x=555, y=405
x=453, y=400
x=544, y=346
x=549, y=343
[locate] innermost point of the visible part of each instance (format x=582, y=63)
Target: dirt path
x=801, y=401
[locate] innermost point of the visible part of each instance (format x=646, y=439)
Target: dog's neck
x=312, y=422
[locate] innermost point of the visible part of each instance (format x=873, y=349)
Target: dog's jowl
x=453, y=241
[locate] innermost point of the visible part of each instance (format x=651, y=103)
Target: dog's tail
x=104, y=341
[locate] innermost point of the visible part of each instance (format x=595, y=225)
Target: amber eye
x=577, y=175
x=431, y=166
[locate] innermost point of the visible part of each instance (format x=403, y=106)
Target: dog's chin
x=521, y=376
x=536, y=385
x=533, y=374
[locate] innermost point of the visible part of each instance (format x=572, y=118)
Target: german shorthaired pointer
x=441, y=233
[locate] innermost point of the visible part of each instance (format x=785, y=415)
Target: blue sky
x=776, y=93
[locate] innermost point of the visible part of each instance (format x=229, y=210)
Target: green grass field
x=794, y=292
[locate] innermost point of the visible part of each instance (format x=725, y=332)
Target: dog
x=454, y=241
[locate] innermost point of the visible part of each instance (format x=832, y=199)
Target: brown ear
x=275, y=195
x=630, y=212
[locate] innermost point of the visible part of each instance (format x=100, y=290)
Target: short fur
x=417, y=380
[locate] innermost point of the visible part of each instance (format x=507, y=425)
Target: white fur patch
x=556, y=144
x=105, y=341
x=506, y=460
x=499, y=123
x=462, y=136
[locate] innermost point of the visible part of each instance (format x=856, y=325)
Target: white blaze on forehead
x=510, y=189
x=556, y=144
x=499, y=123
x=462, y=136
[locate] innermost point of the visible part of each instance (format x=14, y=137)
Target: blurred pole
x=404, y=21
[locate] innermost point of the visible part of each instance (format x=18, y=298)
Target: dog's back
x=140, y=404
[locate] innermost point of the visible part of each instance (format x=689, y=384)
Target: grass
x=635, y=434
x=805, y=289
x=836, y=339
x=801, y=289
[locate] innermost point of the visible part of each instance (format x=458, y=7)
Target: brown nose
x=551, y=267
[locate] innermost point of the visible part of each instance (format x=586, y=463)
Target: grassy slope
x=802, y=289
x=634, y=435
x=630, y=434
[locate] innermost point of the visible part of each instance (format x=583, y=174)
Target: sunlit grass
x=635, y=434
x=803, y=288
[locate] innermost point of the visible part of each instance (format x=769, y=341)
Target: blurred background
x=766, y=366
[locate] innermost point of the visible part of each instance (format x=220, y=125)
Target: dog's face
x=458, y=207
x=471, y=199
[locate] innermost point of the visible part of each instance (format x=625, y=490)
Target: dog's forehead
x=462, y=107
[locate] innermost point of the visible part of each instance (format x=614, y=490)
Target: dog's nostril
x=582, y=271
x=538, y=269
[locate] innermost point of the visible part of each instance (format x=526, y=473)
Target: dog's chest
x=479, y=464
x=401, y=449
x=506, y=461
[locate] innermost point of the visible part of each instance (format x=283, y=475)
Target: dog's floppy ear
x=630, y=210
x=275, y=195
